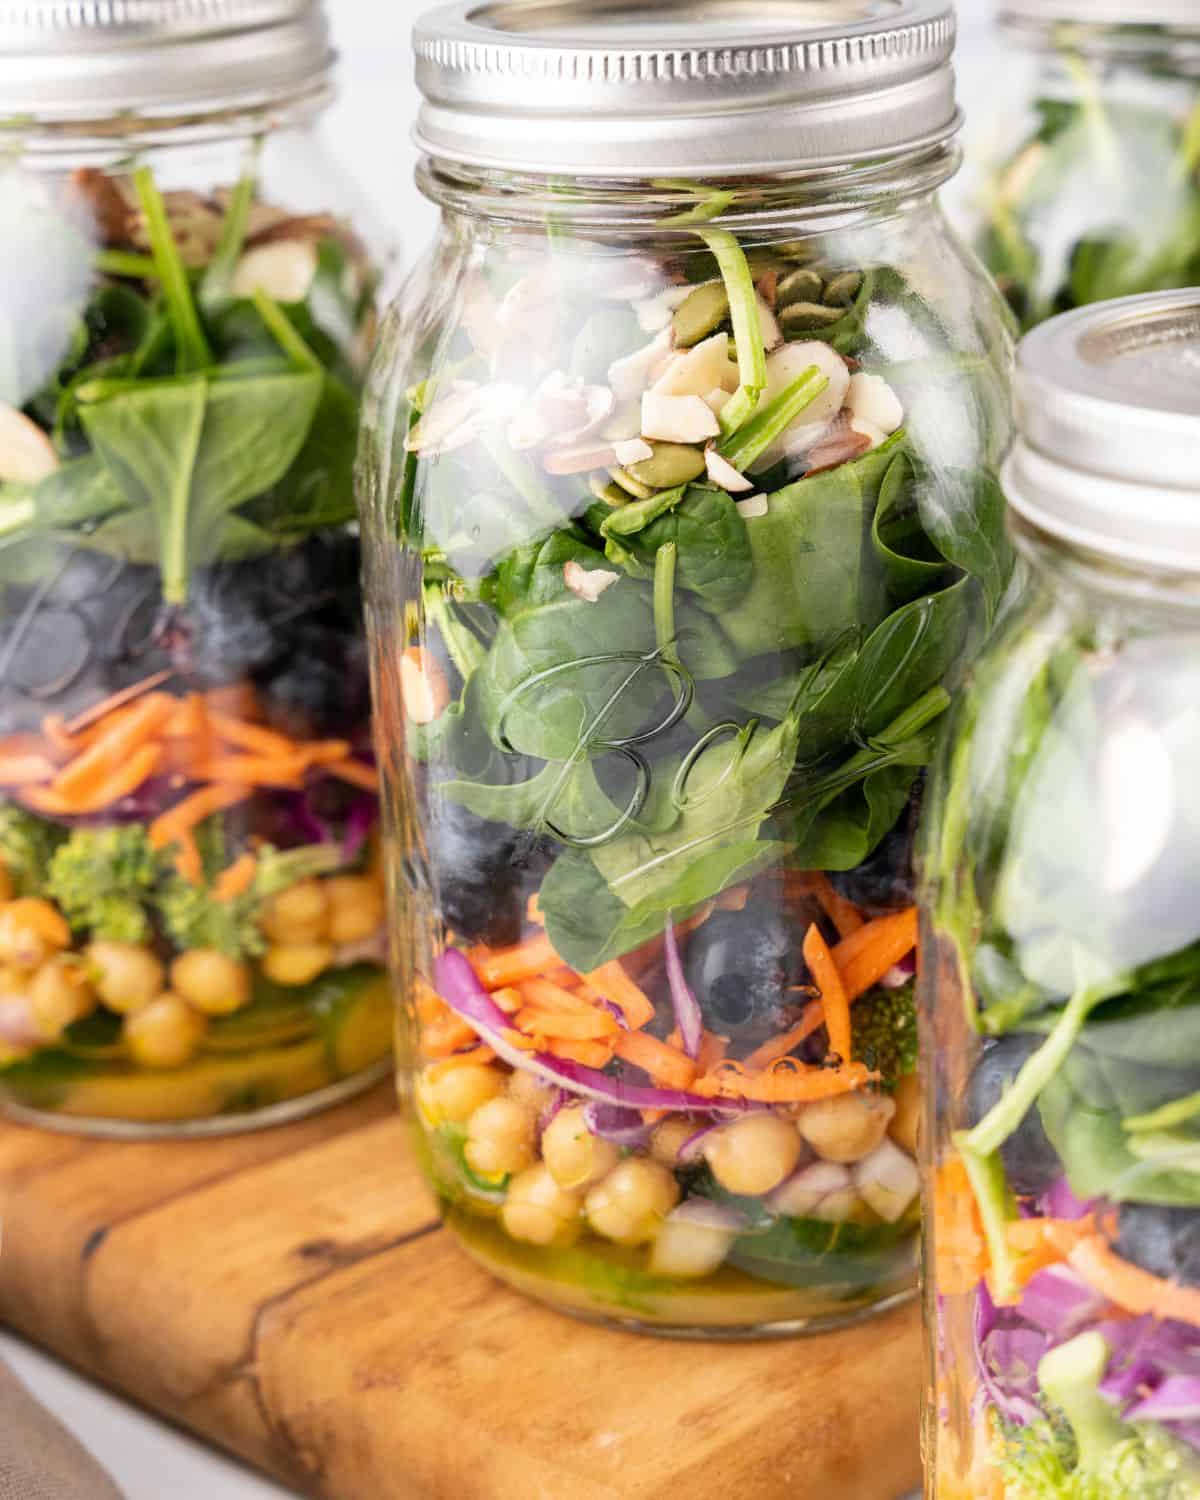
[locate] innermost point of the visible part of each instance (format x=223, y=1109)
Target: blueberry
x=481, y=872
x=321, y=686
x=1164, y=1241
x=884, y=880
x=1030, y=1161
x=740, y=965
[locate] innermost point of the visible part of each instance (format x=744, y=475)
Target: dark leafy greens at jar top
x=190, y=916
x=695, y=590
x=1102, y=198
x=1063, y=863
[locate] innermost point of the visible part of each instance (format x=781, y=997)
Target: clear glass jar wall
x=1089, y=183
x=191, y=924
x=1061, y=1025
x=657, y=674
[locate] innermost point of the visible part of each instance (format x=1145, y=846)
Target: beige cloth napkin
x=39, y=1459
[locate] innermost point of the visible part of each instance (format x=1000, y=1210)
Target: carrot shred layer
x=834, y=1000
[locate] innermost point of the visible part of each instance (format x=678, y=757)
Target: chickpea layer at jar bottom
x=614, y=1175
x=192, y=924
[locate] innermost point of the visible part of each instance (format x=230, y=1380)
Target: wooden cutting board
x=291, y=1297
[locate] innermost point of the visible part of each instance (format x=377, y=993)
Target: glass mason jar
x=1061, y=963
x=1092, y=190
x=191, y=923
x=680, y=515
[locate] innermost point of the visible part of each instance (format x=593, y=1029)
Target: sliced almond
x=561, y=412
x=772, y=334
x=722, y=472
x=588, y=583
x=718, y=400
x=563, y=461
x=26, y=454
x=697, y=370
x=655, y=313
x=677, y=419
x=457, y=419
x=840, y=445
x=522, y=308
x=784, y=368
x=634, y=451
x=285, y=270
x=754, y=508
x=423, y=685
x=731, y=378
x=871, y=399
x=631, y=376
x=478, y=316
x=874, y=435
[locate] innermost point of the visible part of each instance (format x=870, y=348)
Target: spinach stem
x=466, y=651
x=523, y=479
x=744, y=447
x=665, y=560
x=1177, y=1112
x=192, y=351
x=285, y=333
x=126, y=263
x=996, y=1210
x=747, y=326
x=218, y=279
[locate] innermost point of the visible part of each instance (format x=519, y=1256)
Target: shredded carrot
x=546, y=995
x=427, y=1003
x=252, y=737
x=1038, y=1243
x=588, y=1054
x=734, y=899
x=324, y=752
x=25, y=769
x=355, y=773
x=866, y=955
x=480, y=1056
x=108, y=706
x=833, y=996
x=712, y=1052
x=56, y=735
x=533, y=911
x=499, y=967
x=779, y=1046
x=120, y=781
x=583, y=1026
x=187, y=858
x=509, y=1000
x=611, y=981
x=185, y=815
x=446, y=1035
x=1131, y=1288
x=959, y=1243
x=133, y=730
x=844, y=915
x=667, y=1066
x=787, y=1082
x=253, y=770
x=236, y=879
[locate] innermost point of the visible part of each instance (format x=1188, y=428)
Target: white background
x=369, y=129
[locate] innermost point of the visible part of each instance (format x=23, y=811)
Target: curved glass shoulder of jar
x=1062, y=1044
x=681, y=516
x=1089, y=185
x=184, y=705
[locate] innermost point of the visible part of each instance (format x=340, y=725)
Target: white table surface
x=148, y=1459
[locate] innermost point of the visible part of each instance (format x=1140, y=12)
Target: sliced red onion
x=705, y=1214
x=1177, y=1399
x=693, y=1148
x=623, y=1127
x=558, y=1100
x=900, y=973
x=615, y=1012
x=1061, y=1203
x=361, y=819
x=687, y=1010
x=458, y=985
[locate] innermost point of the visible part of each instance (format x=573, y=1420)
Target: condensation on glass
x=191, y=910
x=1061, y=1024
x=681, y=514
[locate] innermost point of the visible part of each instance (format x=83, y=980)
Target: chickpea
x=529, y=1090
x=127, y=977
x=60, y=994
x=31, y=931
x=500, y=1138
x=165, y=1033
x=574, y=1156
x=299, y=915
x=848, y=1127
x=628, y=1207
x=754, y=1154
x=356, y=907
x=459, y=1092
x=668, y=1139
x=211, y=981
x=906, y=1122
x=539, y=1210
x=297, y=963
x=685, y=1248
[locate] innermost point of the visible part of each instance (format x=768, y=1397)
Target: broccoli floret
x=193, y=918
x=27, y=845
x=102, y=879
x=1083, y=1451
x=885, y=1033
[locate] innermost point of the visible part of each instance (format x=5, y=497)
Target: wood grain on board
x=291, y=1297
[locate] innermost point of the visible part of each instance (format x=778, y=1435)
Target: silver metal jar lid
x=696, y=88
x=1183, y=14
x=1108, y=402
x=74, y=60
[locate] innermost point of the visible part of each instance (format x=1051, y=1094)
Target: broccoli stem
x=1070, y=1376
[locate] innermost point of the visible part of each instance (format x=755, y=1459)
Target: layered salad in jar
x=693, y=595
x=1064, y=1271
x=191, y=914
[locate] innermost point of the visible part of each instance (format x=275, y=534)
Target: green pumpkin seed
x=630, y=485
x=804, y=285
x=843, y=289
x=799, y=252
x=806, y=317
x=672, y=464
x=604, y=489
x=701, y=315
